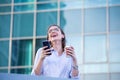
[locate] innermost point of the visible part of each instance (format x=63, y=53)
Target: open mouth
x=54, y=35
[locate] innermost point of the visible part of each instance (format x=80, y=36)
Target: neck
x=57, y=45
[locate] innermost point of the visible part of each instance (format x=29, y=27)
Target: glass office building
x=91, y=26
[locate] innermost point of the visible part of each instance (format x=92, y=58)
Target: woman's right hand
x=45, y=52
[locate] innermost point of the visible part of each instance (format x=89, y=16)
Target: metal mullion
x=107, y=38
x=3, y=39
x=23, y=12
x=82, y=39
x=5, y=13
x=33, y=11
x=69, y=0
x=70, y=9
x=113, y=5
x=3, y=67
x=34, y=30
x=49, y=10
x=58, y=13
x=20, y=4
x=40, y=37
x=99, y=33
x=10, y=40
x=5, y=5
x=45, y=2
x=21, y=38
x=16, y=67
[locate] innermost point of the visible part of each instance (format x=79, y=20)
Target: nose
x=52, y=30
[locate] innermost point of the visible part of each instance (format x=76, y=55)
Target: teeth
x=53, y=35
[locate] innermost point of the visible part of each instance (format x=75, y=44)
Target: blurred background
x=91, y=26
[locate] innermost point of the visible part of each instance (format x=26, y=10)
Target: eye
x=56, y=29
x=50, y=31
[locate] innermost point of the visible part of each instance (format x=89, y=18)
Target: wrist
x=74, y=62
x=36, y=71
x=75, y=67
x=74, y=59
x=42, y=58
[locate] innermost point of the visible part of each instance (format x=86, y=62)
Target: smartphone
x=47, y=43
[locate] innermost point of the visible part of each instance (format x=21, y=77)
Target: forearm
x=75, y=71
x=38, y=68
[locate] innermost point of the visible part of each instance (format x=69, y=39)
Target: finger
x=70, y=51
x=43, y=48
x=47, y=50
x=47, y=53
x=70, y=48
x=70, y=54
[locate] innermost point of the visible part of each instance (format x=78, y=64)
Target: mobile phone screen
x=47, y=43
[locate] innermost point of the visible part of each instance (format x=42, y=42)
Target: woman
x=58, y=64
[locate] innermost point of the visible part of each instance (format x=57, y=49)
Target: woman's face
x=54, y=33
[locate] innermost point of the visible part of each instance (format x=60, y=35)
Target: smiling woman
x=57, y=64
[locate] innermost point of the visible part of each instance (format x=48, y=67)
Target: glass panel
x=19, y=8
x=21, y=1
x=115, y=18
x=70, y=21
x=115, y=76
x=114, y=68
x=70, y=4
x=95, y=20
x=23, y=25
x=5, y=1
x=39, y=44
x=81, y=70
x=47, y=6
x=95, y=68
x=44, y=20
x=94, y=3
x=75, y=41
x=3, y=70
x=4, y=52
x=72, y=30
x=21, y=53
x=114, y=55
x=5, y=26
x=5, y=9
x=96, y=77
x=95, y=48
x=111, y=2
x=21, y=71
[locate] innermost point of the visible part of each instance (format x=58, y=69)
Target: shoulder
x=38, y=51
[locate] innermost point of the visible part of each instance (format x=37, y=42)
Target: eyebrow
x=53, y=28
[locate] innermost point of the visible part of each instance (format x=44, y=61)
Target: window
x=44, y=19
x=23, y=25
x=4, y=52
x=5, y=26
x=21, y=53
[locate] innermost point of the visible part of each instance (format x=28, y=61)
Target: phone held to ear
x=47, y=43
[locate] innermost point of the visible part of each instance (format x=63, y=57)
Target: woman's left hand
x=70, y=51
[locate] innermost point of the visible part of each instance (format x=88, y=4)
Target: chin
x=54, y=39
